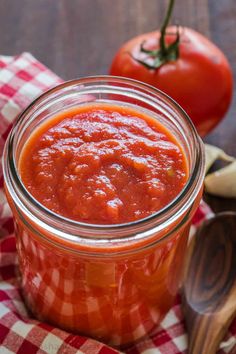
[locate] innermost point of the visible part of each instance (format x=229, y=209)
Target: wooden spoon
x=209, y=290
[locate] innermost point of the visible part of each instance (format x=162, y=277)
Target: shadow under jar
x=110, y=282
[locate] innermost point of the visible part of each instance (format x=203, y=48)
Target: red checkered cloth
x=22, y=78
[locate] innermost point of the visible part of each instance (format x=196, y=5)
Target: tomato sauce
x=98, y=264
x=103, y=164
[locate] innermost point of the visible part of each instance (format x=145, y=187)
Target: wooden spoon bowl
x=209, y=290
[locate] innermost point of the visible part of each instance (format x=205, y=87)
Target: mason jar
x=114, y=283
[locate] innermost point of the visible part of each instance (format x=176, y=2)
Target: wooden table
x=79, y=37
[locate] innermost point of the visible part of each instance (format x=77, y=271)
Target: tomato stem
x=164, y=53
x=164, y=26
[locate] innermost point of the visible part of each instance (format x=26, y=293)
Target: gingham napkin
x=22, y=78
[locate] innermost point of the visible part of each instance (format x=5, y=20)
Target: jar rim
x=191, y=188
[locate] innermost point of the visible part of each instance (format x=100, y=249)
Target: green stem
x=164, y=26
x=164, y=53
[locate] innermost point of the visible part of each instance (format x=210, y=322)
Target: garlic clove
x=222, y=182
x=213, y=153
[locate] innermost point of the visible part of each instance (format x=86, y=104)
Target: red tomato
x=200, y=80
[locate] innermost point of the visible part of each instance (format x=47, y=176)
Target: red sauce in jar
x=103, y=164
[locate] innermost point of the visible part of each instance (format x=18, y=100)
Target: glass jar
x=110, y=282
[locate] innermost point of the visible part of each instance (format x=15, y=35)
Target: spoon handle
x=209, y=289
x=207, y=332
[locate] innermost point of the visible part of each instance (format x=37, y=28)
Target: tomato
x=199, y=78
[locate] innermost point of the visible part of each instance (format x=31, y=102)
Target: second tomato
x=199, y=79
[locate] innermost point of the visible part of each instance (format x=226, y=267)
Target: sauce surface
x=103, y=164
